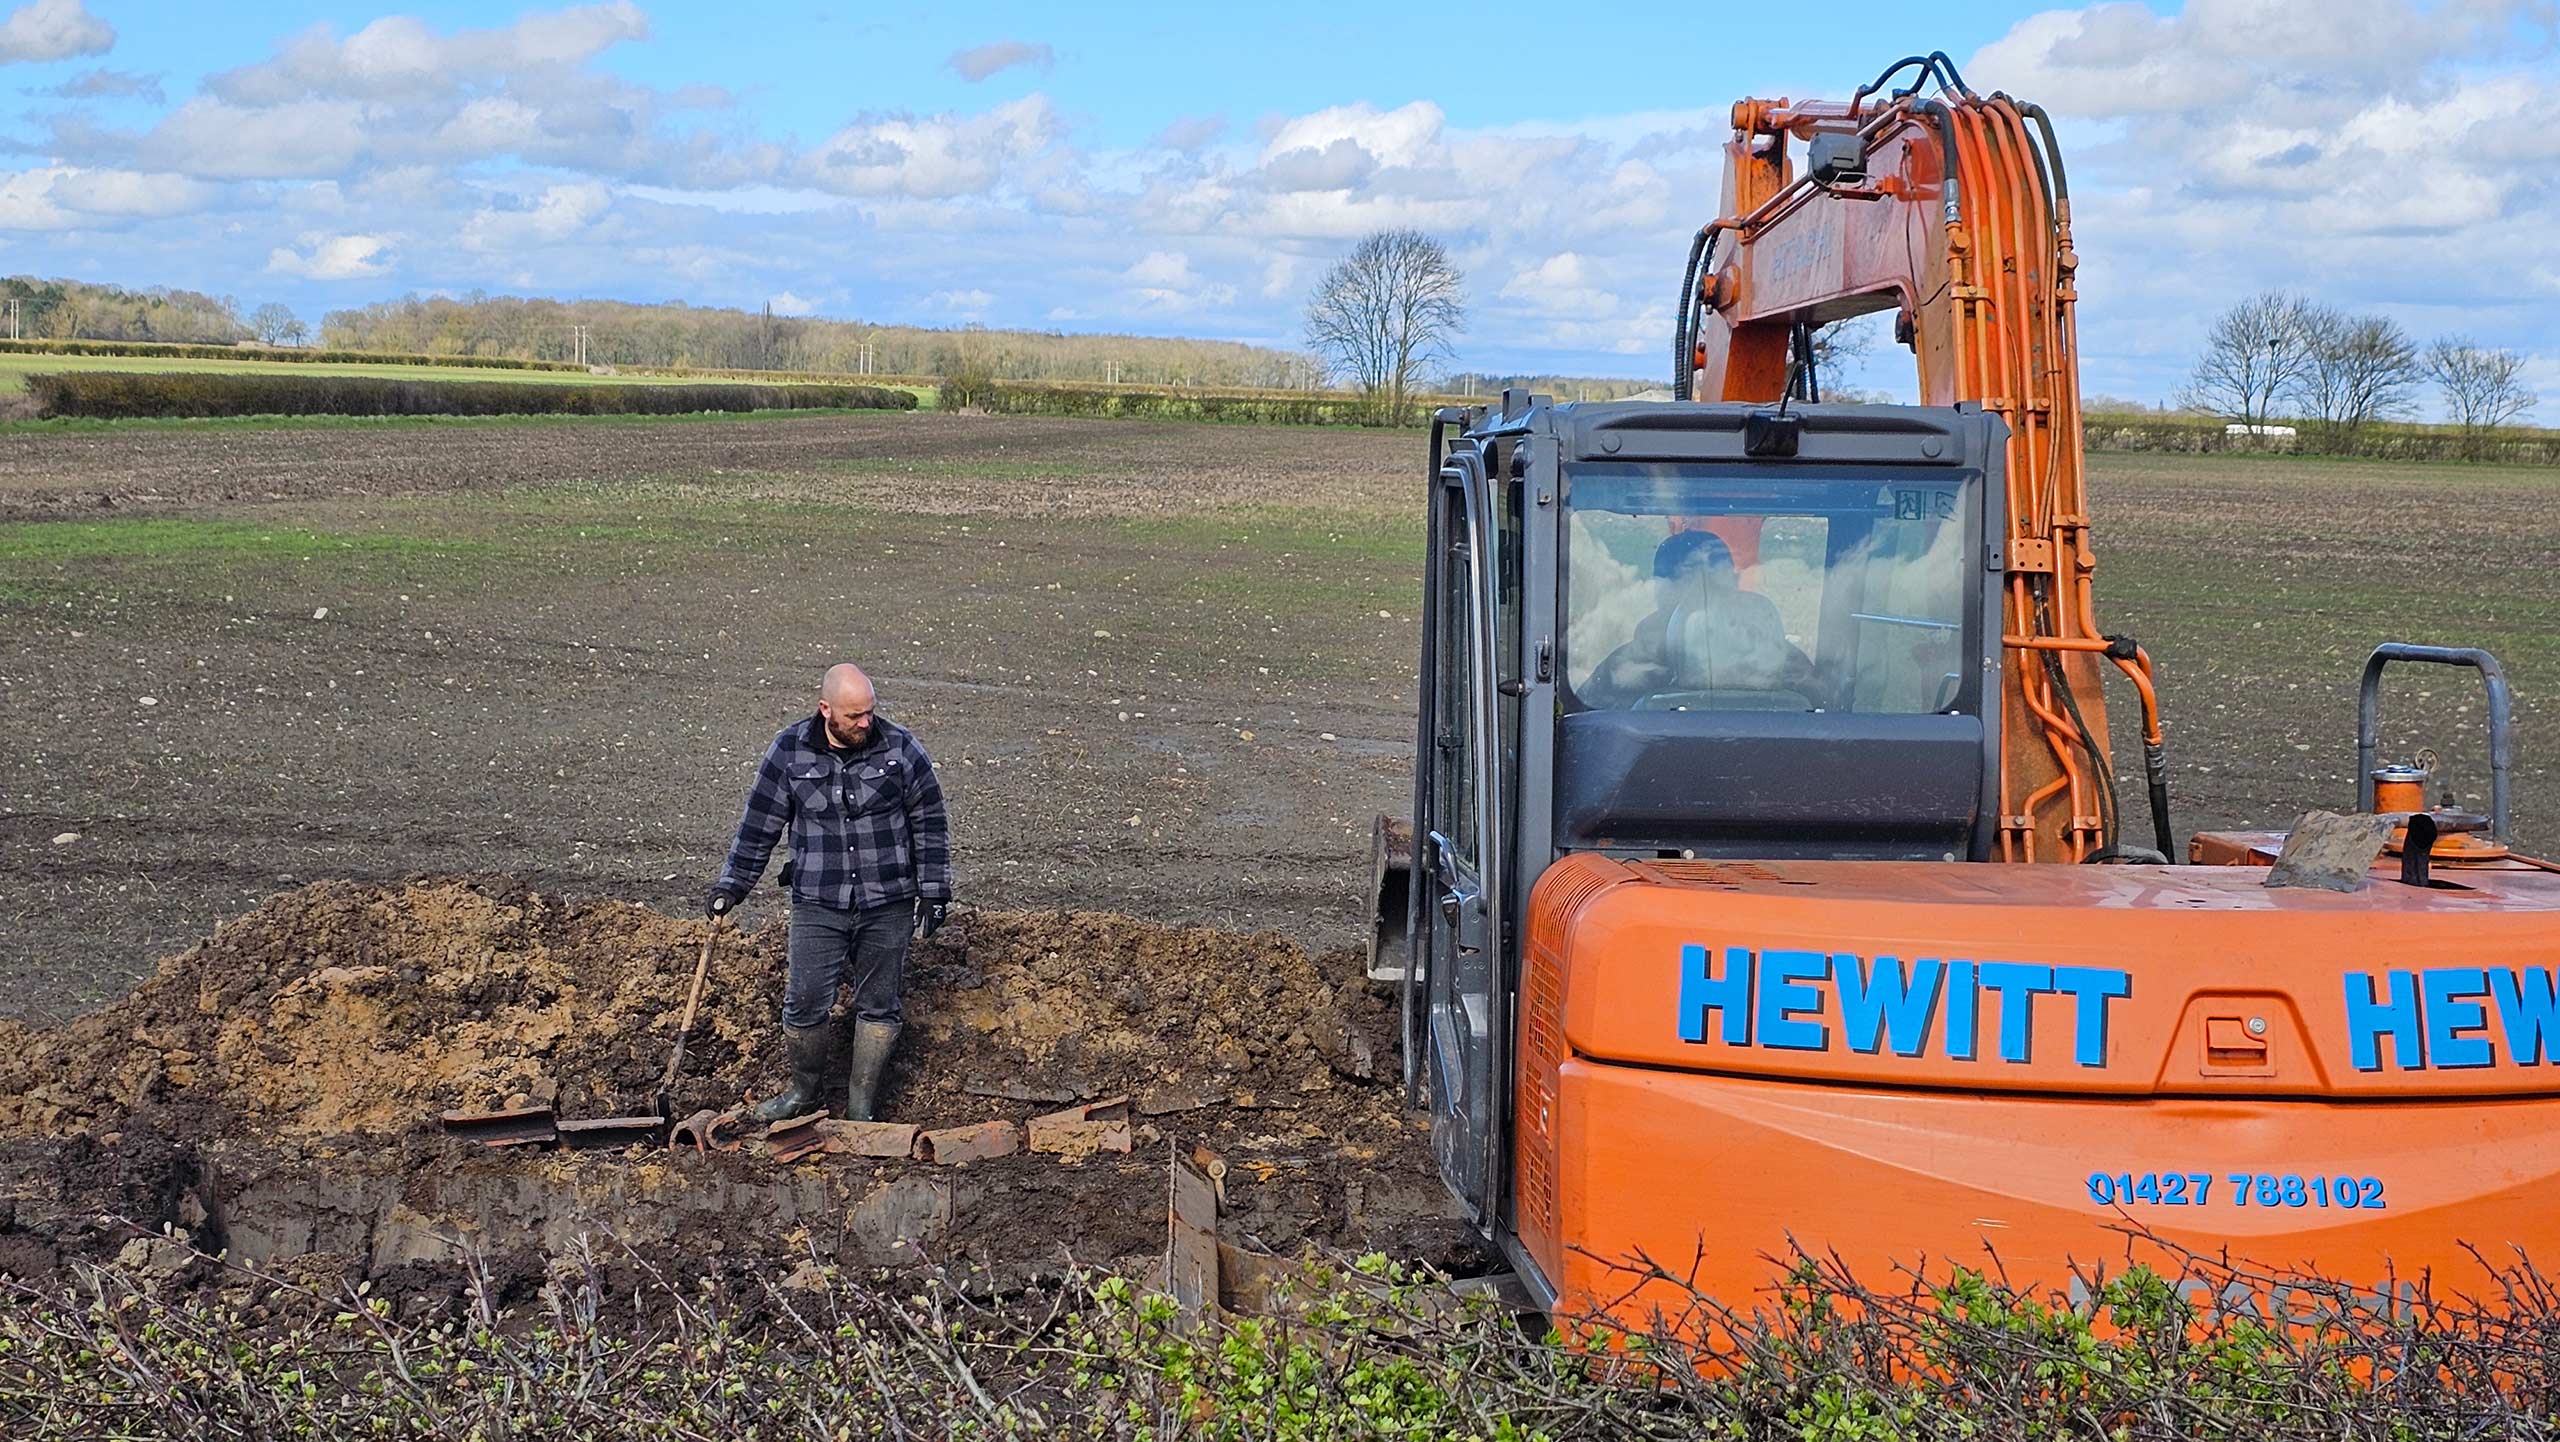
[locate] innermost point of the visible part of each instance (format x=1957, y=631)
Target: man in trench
x=870, y=866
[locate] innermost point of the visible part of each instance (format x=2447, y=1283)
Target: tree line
x=674, y=335
x=32, y=308
x=2339, y=374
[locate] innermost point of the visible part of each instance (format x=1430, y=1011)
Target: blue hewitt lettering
x=1784, y=997
x=2454, y=994
x=2438, y=1016
x=1964, y=1009
x=1729, y=995
x=1882, y=1001
x=2529, y=1011
x=2369, y=1019
x=2019, y=985
x=2092, y=987
x=1776, y=999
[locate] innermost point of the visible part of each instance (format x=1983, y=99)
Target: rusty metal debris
x=537, y=1126
x=600, y=1132
x=983, y=1142
x=708, y=1130
x=795, y=1137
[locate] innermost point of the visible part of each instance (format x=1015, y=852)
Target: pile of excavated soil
x=354, y=1011
x=273, y=1091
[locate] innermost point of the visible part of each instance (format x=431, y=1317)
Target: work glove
x=930, y=915
x=719, y=901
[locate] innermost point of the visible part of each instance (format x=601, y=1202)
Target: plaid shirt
x=867, y=827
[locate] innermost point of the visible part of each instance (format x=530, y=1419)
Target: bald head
x=845, y=700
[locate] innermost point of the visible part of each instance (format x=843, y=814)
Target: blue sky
x=1182, y=169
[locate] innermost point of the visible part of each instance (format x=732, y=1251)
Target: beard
x=848, y=740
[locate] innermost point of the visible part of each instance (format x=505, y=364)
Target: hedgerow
x=283, y=355
x=122, y=395
x=616, y=1348
x=1174, y=403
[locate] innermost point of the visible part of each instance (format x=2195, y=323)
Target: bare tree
x=2483, y=388
x=270, y=322
x=2256, y=352
x=1386, y=311
x=2360, y=369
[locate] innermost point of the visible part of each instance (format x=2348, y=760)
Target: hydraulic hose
x=1684, y=336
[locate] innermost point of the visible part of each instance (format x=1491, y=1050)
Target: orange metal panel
x=2093, y=979
x=1721, y=1174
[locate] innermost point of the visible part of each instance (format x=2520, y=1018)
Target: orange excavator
x=1766, y=886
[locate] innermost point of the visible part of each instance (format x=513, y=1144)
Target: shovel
x=540, y=1125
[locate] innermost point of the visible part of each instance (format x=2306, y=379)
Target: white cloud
x=982, y=61
x=104, y=84
x=60, y=197
x=401, y=57
x=966, y=302
x=2373, y=154
x=1163, y=280
x=785, y=303
x=53, y=30
x=558, y=214
x=1190, y=132
x=1406, y=135
x=1339, y=165
x=229, y=142
x=333, y=257
x=1562, y=284
x=936, y=157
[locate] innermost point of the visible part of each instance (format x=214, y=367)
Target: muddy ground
x=1163, y=669
x=272, y=1094
x=273, y=674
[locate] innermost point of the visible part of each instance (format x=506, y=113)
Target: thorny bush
x=619, y=1349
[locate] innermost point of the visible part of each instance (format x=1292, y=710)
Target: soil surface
x=498, y=689
x=273, y=1092
x=1163, y=669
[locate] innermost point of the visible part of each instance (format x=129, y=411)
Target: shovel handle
x=693, y=999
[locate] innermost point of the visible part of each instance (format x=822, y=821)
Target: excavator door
x=1456, y=989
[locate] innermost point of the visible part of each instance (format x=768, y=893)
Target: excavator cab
x=1652, y=633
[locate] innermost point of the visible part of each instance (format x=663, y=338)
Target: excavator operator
x=1710, y=635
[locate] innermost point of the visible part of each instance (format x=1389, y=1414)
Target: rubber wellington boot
x=872, y=1043
x=809, y=1046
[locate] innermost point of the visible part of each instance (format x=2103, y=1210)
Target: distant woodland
x=678, y=335
x=80, y=310
x=674, y=335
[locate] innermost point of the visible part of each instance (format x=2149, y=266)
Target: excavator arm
x=1953, y=211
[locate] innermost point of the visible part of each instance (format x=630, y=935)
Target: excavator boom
x=1954, y=213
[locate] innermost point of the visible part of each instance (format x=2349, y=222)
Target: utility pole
x=14, y=303
x=578, y=344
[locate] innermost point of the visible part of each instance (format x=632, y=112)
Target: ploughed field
x=1165, y=667
x=274, y=675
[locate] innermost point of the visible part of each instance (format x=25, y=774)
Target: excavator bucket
x=1390, y=896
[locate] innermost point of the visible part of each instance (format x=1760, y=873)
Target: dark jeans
x=865, y=949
